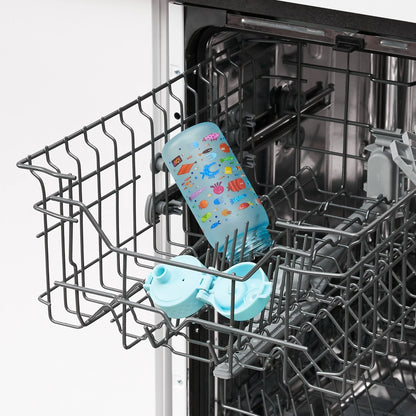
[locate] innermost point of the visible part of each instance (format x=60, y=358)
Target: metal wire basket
x=389, y=388
x=341, y=264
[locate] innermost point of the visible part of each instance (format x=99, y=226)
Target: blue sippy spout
x=161, y=273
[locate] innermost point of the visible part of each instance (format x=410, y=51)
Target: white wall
x=63, y=65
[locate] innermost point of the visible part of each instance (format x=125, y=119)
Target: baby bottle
x=216, y=190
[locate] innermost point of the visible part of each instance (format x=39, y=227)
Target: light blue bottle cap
x=251, y=296
x=181, y=292
x=174, y=289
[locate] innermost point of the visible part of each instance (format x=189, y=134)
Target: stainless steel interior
x=315, y=107
x=299, y=106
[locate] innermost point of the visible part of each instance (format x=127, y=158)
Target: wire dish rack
x=389, y=388
x=342, y=264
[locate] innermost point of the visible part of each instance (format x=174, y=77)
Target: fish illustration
x=225, y=212
x=244, y=205
x=206, y=171
x=195, y=144
x=207, y=150
x=237, y=198
x=228, y=158
x=216, y=224
x=196, y=193
x=228, y=170
x=217, y=201
x=224, y=147
x=185, y=169
x=236, y=185
x=206, y=217
x=203, y=204
x=211, y=137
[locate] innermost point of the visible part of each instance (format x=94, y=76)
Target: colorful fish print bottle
x=216, y=189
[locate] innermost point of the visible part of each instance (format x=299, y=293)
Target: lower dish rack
x=389, y=388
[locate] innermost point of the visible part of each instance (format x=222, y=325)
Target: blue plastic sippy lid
x=181, y=292
x=174, y=289
x=251, y=295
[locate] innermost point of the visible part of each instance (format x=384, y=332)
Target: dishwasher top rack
x=341, y=265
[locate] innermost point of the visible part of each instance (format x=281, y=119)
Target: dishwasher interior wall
x=300, y=117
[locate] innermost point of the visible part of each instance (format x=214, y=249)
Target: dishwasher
x=318, y=107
